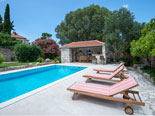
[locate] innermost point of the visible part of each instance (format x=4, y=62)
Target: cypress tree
x=1, y=24
x=7, y=22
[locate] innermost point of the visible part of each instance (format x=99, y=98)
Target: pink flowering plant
x=49, y=46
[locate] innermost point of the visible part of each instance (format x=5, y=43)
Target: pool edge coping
x=35, y=91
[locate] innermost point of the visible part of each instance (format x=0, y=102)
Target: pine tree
x=7, y=22
x=1, y=24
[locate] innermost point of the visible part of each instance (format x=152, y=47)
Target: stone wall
x=7, y=53
x=145, y=75
x=66, y=55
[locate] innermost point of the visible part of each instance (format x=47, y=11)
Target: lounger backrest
x=123, y=86
x=117, y=72
x=121, y=64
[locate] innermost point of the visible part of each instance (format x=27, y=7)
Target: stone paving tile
x=147, y=90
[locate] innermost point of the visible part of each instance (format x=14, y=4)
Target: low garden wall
x=24, y=66
x=7, y=53
x=145, y=75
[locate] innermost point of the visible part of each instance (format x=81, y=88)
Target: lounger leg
x=88, y=80
x=74, y=96
x=121, y=76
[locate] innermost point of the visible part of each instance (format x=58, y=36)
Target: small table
x=82, y=58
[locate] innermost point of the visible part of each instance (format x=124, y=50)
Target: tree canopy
x=145, y=46
x=112, y=32
x=117, y=29
x=120, y=29
x=7, y=42
x=46, y=35
x=82, y=24
x=7, y=22
x=49, y=46
x=1, y=23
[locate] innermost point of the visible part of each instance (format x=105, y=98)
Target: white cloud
x=125, y=6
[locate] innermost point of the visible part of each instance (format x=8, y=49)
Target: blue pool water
x=18, y=83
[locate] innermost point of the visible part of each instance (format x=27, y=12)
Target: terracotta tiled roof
x=15, y=35
x=84, y=43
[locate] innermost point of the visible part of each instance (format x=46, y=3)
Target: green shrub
x=150, y=71
x=35, y=52
x=7, y=42
x=40, y=60
x=59, y=59
x=127, y=61
x=55, y=60
x=1, y=58
x=111, y=59
x=49, y=46
x=27, y=53
x=12, y=58
x=136, y=62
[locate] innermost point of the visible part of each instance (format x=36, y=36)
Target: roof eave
x=83, y=46
x=19, y=37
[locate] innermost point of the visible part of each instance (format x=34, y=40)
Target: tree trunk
x=115, y=56
x=149, y=61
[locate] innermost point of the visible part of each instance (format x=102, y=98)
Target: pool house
x=84, y=51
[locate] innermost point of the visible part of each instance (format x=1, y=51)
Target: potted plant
x=56, y=61
x=40, y=60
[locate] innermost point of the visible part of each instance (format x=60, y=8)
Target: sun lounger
x=109, y=92
x=110, y=77
x=98, y=70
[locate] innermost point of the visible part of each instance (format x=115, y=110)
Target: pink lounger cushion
x=105, y=69
x=109, y=69
x=103, y=76
x=92, y=75
x=91, y=88
x=105, y=90
x=123, y=85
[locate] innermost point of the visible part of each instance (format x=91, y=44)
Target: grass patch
x=3, y=65
x=150, y=71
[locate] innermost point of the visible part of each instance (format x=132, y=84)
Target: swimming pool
x=21, y=82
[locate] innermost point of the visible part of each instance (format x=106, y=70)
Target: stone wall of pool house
x=66, y=55
x=7, y=53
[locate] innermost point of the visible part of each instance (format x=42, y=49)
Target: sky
x=33, y=17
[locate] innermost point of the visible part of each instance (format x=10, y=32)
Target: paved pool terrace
x=56, y=100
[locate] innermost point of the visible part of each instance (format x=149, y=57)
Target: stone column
x=104, y=53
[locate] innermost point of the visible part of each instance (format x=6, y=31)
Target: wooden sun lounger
x=98, y=70
x=109, y=77
x=109, y=92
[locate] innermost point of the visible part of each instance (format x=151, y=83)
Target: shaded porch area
x=84, y=51
x=88, y=54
